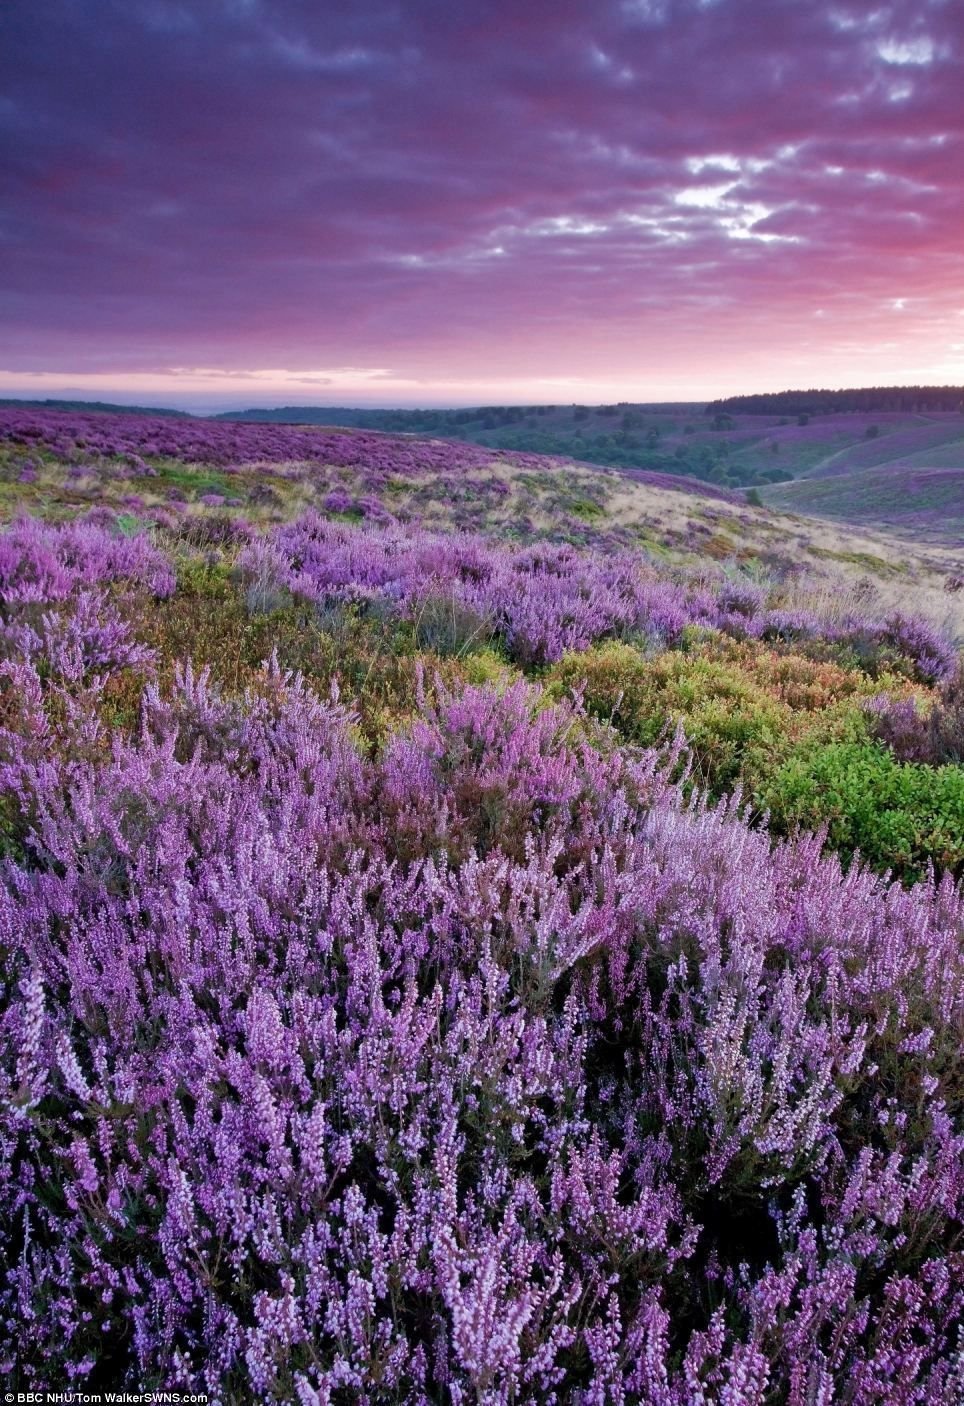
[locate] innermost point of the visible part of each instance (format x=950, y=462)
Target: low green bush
x=898, y=815
x=738, y=725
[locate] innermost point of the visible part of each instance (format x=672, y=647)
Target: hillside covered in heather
x=887, y=460
x=473, y=927
x=892, y=460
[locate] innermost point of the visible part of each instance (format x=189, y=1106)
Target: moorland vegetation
x=890, y=458
x=472, y=928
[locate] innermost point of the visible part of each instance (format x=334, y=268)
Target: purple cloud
x=604, y=193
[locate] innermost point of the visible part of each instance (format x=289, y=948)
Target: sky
x=215, y=203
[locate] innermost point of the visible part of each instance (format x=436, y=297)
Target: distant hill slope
x=175, y=474
x=100, y=407
x=730, y=451
x=918, y=501
x=676, y=443
x=675, y=439
x=416, y=420
x=936, y=440
x=907, y=479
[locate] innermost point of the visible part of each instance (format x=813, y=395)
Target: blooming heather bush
x=59, y=629
x=485, y=1070
x=548, y=599
x=213, y=530
x=71, y=645
x=338, y=501
x=477, y=1065
x=900, y=637
x=63, y=639
x=43, y=563
x=542, y=600
x=902, y=726
x=935, y=737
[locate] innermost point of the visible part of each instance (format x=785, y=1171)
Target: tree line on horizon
x=90, y=407
x=900, y=399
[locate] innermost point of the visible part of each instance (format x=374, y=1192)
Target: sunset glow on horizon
x=249, y=202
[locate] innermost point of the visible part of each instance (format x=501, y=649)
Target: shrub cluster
x=489, y=1065
x=935, y=737
x=899, y=815
x=797, y=736
x=741, y=710
x=550, y=598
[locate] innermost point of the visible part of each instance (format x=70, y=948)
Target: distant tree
x=865, y=400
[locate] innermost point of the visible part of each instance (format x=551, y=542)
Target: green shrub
x=898, y=815
x=738, y=729
x=487, y=666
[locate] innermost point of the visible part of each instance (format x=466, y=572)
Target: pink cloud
x=617, y=194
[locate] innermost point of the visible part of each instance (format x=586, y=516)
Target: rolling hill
x=165, y=471
x=910, y=482
x=809, y=464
